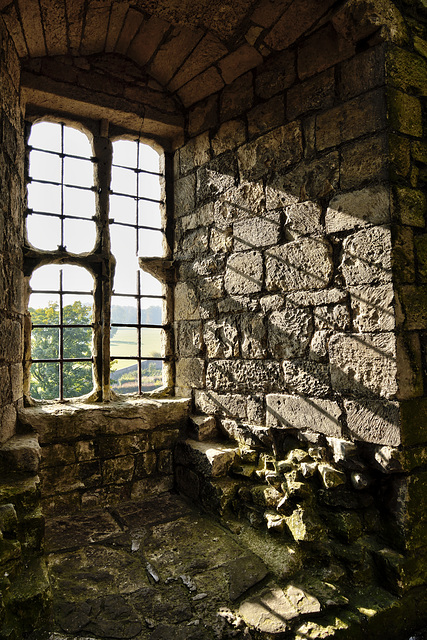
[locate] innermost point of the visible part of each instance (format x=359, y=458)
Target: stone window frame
x=100, y=262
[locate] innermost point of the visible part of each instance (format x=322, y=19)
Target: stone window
x=96, y=207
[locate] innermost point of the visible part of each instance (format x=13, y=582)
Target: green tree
x=76, y=344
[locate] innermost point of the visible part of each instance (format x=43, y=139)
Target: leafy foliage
x=76, y=344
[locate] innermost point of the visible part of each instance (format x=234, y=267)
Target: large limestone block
x=367, y=257
x=247, y=199
x=278, y=149
x=289, y=332
x=256, y=232
x=296, y=412
x=358, y=208
x=309, y=180
x=244, y=273
x=221, y=338
x=186, y=303
x=190, y=372
x=364, y=364
x=372, y=308
x=303, y=264
x=374, y=421
x=306, y=378
x=242, y=376
x=303, y=218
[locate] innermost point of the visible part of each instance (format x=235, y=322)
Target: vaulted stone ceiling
x=192, y=48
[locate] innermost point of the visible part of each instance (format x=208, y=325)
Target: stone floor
x=150, y=570
x=160, y=570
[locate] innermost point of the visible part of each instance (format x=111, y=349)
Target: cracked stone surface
x=147, y=570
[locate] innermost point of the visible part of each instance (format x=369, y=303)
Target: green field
x=124, y=342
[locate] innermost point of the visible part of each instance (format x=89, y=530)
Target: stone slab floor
x=155, y=570
x=161, y=570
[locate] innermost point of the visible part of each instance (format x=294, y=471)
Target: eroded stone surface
x=302, y=264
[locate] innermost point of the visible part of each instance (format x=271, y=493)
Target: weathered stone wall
x=23, y=581
x=300, y=304
x=284, y=305
x=406, y=66
x=11, y=220
x=100, y=455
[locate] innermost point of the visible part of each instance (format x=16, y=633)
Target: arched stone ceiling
x=192, y=48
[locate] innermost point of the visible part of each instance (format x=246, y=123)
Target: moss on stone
x=404, y=113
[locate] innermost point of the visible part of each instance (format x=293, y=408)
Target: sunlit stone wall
x=300, y=236
x=284, y=307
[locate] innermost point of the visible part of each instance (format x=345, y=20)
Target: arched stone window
x=97, y=203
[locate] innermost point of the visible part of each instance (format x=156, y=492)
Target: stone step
x=202, y=428
x=20, y=454
x=207, y=458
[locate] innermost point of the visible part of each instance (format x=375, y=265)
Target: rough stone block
x=367, y=257
x=407, y=71
x=276, y=150
x=303, y=218
x=245, y=200
x=268, y=611
x=330, y=476
x=363, y=72
x=421, y=252
x=210, y=459
x=230, y=135
x=404, y=112
x=306, y=378
x=244, y=273
x=316, y=93
x=362, y=115
x=410, y=206
x=216, y=177
x=297, y=18
x=266, y=116
x=295, y=412
x=333, y=317
x=309, y=180
x=145, y=464
x=190, y=372
x=254, y=336
x=20, y=454
x=185, y=195
x=372, y=308
x=363, y=161
x=203, y=116
x=233, y=405
x=303, y=264
x=413, y=301
x=57, y=454
x=257, y=232
x=275, y=75
x=239, y=62
x=241, y=376
x=186, y=303
x=189, y=338
x=203, y=428
x=374, y=421
x=303, y=525
x=195, y=153
x=358, y=209
x=289, y=332
x=221, y=338
x=237, y=97
x=322, y=50
x=364, y=364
